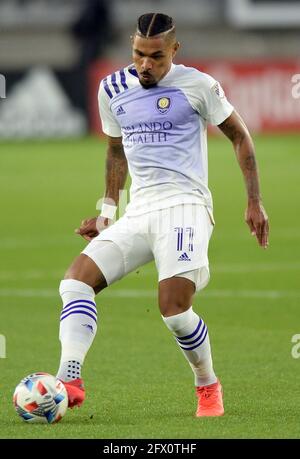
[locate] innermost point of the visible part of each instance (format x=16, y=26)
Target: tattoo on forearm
x=116, y=149
x=232, y=131
x=235, y=129
x=250, y=163
x=252, y=187
x=116, y=170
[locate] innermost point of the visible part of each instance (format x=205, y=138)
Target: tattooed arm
x=115, y=178
x=116, y=169
x=256, y=218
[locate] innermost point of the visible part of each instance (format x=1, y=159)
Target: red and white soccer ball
x=41, y=398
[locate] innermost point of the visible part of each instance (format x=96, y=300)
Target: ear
x=176, y=47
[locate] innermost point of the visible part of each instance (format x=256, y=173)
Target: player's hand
x=257, y=220
x=91, y=227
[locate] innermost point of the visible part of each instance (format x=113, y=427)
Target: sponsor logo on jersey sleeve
x=218, y=90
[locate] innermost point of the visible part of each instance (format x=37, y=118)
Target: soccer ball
x=41, y=397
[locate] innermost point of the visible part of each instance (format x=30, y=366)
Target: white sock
x=78, y=326
x=69, y=370
x=192, y=337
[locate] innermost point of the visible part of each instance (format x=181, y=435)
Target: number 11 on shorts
x=180, y=235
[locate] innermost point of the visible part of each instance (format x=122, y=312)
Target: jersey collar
x=172, y=68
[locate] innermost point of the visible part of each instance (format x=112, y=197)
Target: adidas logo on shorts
x=184, y=257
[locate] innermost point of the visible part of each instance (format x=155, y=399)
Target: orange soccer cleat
x=210, y=400
x=76, y=392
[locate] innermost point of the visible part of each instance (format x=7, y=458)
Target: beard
x=147, y=85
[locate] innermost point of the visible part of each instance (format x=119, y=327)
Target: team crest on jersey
x=163, y=105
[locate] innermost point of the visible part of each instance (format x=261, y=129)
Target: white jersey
x=164, y=132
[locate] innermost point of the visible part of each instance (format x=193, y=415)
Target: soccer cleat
x=76, y=392
x=210, y=400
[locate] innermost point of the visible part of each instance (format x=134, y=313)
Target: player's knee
x=171, y=304
x=83, y=269
x=175, y=296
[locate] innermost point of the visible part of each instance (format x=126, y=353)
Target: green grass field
x=138, y=383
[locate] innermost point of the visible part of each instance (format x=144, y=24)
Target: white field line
x=254, y=267
x=7, y=275
x=33, y=274
x=134, y=293
x=41, y=242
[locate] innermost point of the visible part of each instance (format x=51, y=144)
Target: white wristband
x=108, y=211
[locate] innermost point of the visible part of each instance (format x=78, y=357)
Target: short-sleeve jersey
x=164, y=133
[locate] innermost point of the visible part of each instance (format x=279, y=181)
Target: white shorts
x=176, y=238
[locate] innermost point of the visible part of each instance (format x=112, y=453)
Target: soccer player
x=155, y=115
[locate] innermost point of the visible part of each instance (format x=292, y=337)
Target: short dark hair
x=152, y=24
